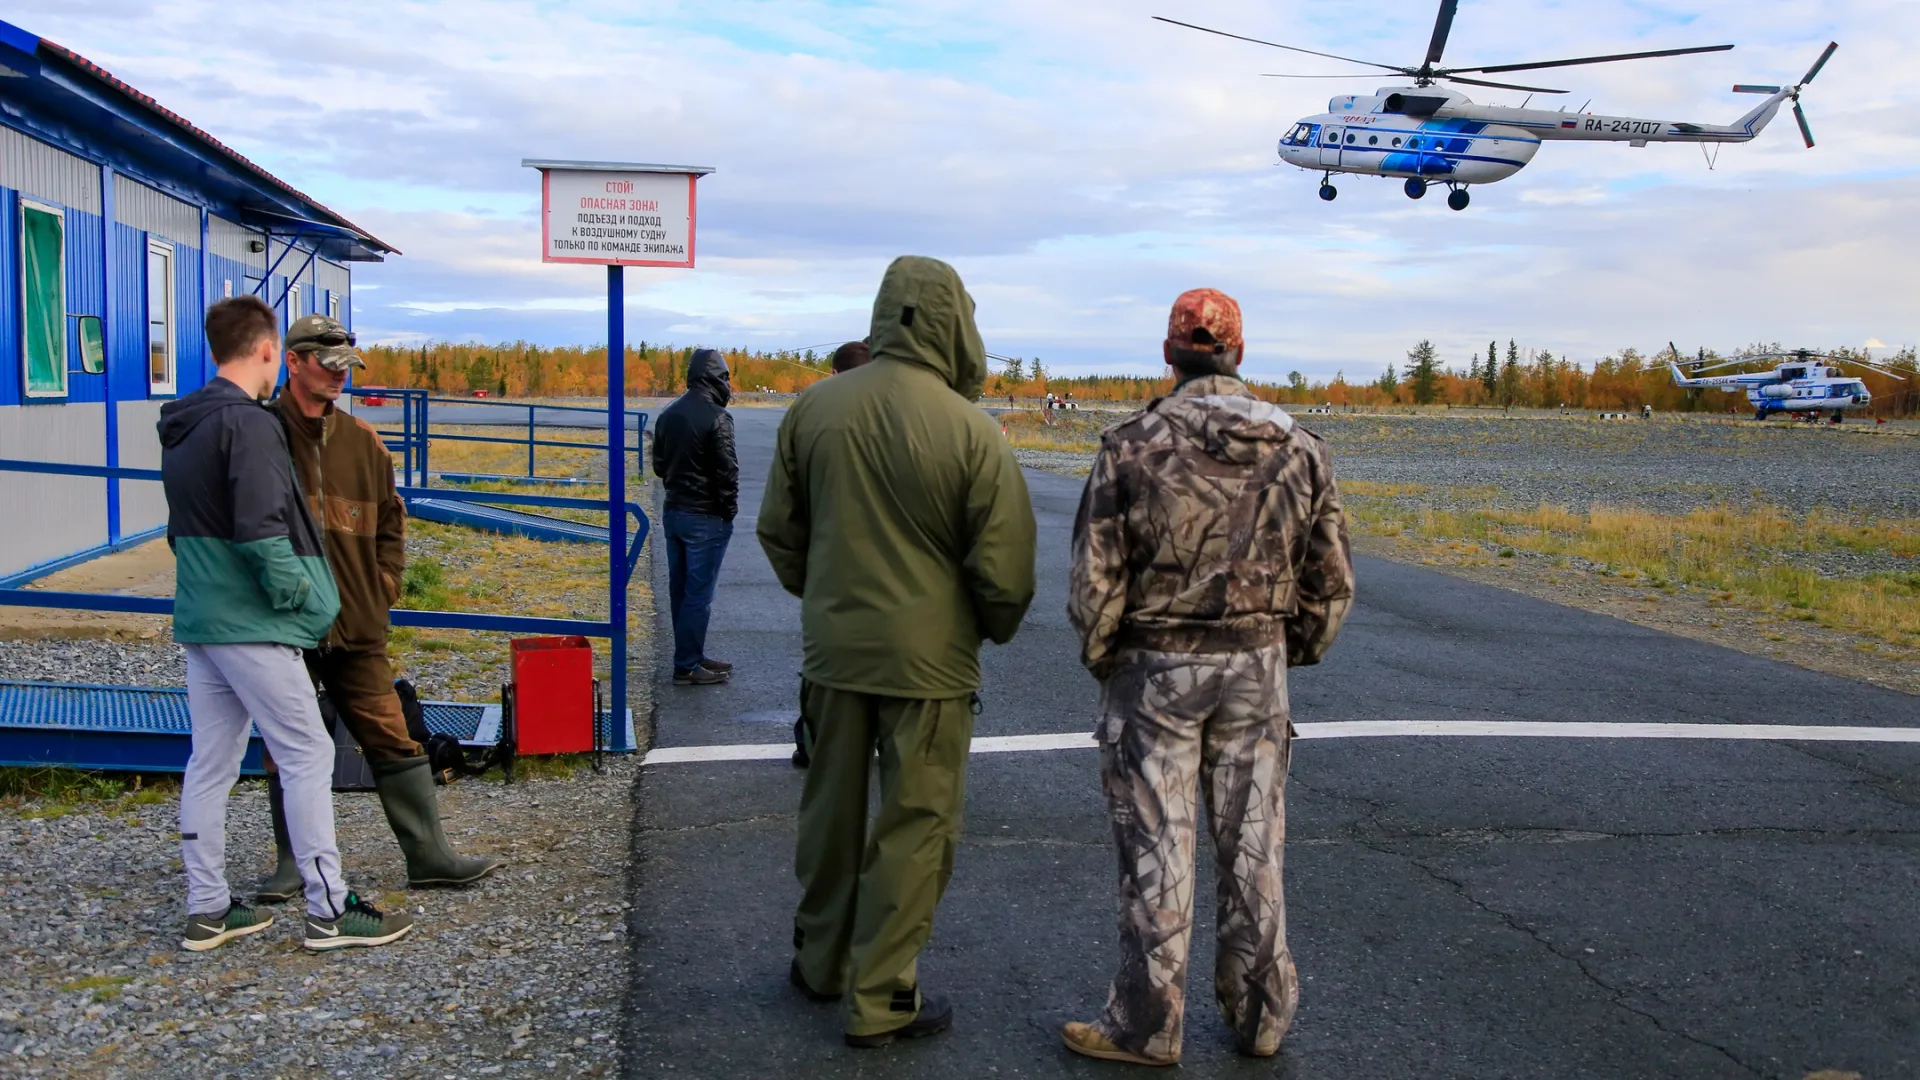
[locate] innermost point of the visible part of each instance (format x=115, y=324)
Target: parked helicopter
x=1802, y=384
x=1434, y=135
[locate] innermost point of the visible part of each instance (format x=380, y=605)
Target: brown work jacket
x=347, y=476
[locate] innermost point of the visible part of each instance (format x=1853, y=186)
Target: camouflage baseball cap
x=326, y=339
x=1206, y=319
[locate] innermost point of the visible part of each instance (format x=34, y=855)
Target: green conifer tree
x=1423, y=373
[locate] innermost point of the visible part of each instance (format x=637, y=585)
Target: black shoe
x=800, y=982
x=720, y=666
x=936, y=1016
x=699, y=676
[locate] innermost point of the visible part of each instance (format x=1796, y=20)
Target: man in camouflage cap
x=1209, y=555
x=347, y=475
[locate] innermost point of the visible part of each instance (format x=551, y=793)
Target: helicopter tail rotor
x=1799, y=114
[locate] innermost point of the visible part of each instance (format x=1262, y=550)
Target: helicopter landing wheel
x=1458, y=198
x=1415, y=187
x=1328, y=192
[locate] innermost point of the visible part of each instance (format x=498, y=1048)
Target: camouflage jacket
x=1210, y=523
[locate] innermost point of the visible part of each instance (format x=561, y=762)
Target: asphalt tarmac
x=1458, y=907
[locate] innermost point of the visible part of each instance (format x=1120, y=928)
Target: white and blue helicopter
x=1433, y=135
x=1803, y=384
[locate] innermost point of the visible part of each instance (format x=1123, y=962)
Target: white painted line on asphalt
x=1374, y=729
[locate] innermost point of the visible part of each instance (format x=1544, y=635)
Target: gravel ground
x=521, y=975
x=106, y=661
x=1668, y=465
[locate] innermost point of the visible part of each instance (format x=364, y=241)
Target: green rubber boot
x=406, y=792
x=284, y=883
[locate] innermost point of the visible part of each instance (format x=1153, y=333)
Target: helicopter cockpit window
x=1301, y=135
x=1793, y=373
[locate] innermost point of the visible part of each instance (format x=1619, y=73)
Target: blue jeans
x=696, y=543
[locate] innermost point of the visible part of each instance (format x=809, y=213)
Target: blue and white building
x=120, y=222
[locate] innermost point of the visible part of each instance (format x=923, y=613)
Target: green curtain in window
x=43, y=258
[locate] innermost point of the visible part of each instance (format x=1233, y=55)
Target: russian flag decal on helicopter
x=1569, y=123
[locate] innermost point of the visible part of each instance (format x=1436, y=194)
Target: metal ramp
x=145, y=729
x=497, y=519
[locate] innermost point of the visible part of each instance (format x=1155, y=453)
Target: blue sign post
x=617, y=214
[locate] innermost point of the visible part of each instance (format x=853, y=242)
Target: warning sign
x=624, y=218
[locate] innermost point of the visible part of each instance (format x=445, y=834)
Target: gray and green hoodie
x=249, y=565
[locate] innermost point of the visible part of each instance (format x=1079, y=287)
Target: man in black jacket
x=693, y=454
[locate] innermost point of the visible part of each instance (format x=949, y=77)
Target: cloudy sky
x=1079, y=163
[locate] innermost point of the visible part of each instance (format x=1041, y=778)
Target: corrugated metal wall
x=226, y=240
x=47, y=172
x=143, y=503
x=43, y=518
x=331, y=276
x=142, y=207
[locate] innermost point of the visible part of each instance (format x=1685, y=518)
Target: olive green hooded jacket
x=895, y=509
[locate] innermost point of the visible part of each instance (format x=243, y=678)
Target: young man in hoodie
x=693, y=455
x=252, y=589
x=347, y=475
x=1209, y=555
x=897, y=514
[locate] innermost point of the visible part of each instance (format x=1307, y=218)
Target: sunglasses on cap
x=330, y=339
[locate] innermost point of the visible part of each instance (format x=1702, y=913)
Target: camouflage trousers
x=1174, y=726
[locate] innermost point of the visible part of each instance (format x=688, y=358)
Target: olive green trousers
x=868, y=892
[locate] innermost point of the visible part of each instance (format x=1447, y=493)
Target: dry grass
x=454, y=455
x=461, y=569
x=1063, y=432
x=1763, y=558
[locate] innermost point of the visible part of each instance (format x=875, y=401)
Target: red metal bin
x=553, y=695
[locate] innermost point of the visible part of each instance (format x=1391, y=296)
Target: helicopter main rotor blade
x=1805, y=131
x=1743, y=88
x=1355, y=75
x=1500, y=85
x=1870, y=367
x=1289, y=48
x=1442, y=26
x=1820, y=63
x=1492, y=68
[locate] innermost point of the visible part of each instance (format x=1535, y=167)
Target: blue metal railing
x=415, y=435
x=620, y=571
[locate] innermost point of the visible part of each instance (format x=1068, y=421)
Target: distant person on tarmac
x=896, y=512
x=1209, y=555
x=252, y=590
x=693, y=454
x=347, y=475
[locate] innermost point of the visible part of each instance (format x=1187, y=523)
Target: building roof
x=75, y=102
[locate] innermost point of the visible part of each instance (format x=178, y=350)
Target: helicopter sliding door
x=1330, y=144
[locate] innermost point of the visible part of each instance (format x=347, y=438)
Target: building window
x=43, y=289
x=293, y=305
x=333, y=306
x=160, y=315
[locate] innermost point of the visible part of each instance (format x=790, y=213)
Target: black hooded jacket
x=693, y=442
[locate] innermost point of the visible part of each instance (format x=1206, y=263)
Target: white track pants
x=228, y=686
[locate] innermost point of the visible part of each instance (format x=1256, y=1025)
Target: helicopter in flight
x=1803, y=384
x=1430, y=134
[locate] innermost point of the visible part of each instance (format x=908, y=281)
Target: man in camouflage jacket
x=1209, y=555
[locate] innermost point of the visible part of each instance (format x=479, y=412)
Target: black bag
x=445, y=756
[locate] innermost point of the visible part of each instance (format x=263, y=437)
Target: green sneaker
x=360, y=926
x=212, y=931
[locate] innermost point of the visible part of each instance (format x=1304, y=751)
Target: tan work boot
x=1086, y=1039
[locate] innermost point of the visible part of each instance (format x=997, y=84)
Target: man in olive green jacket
x=898, y=515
